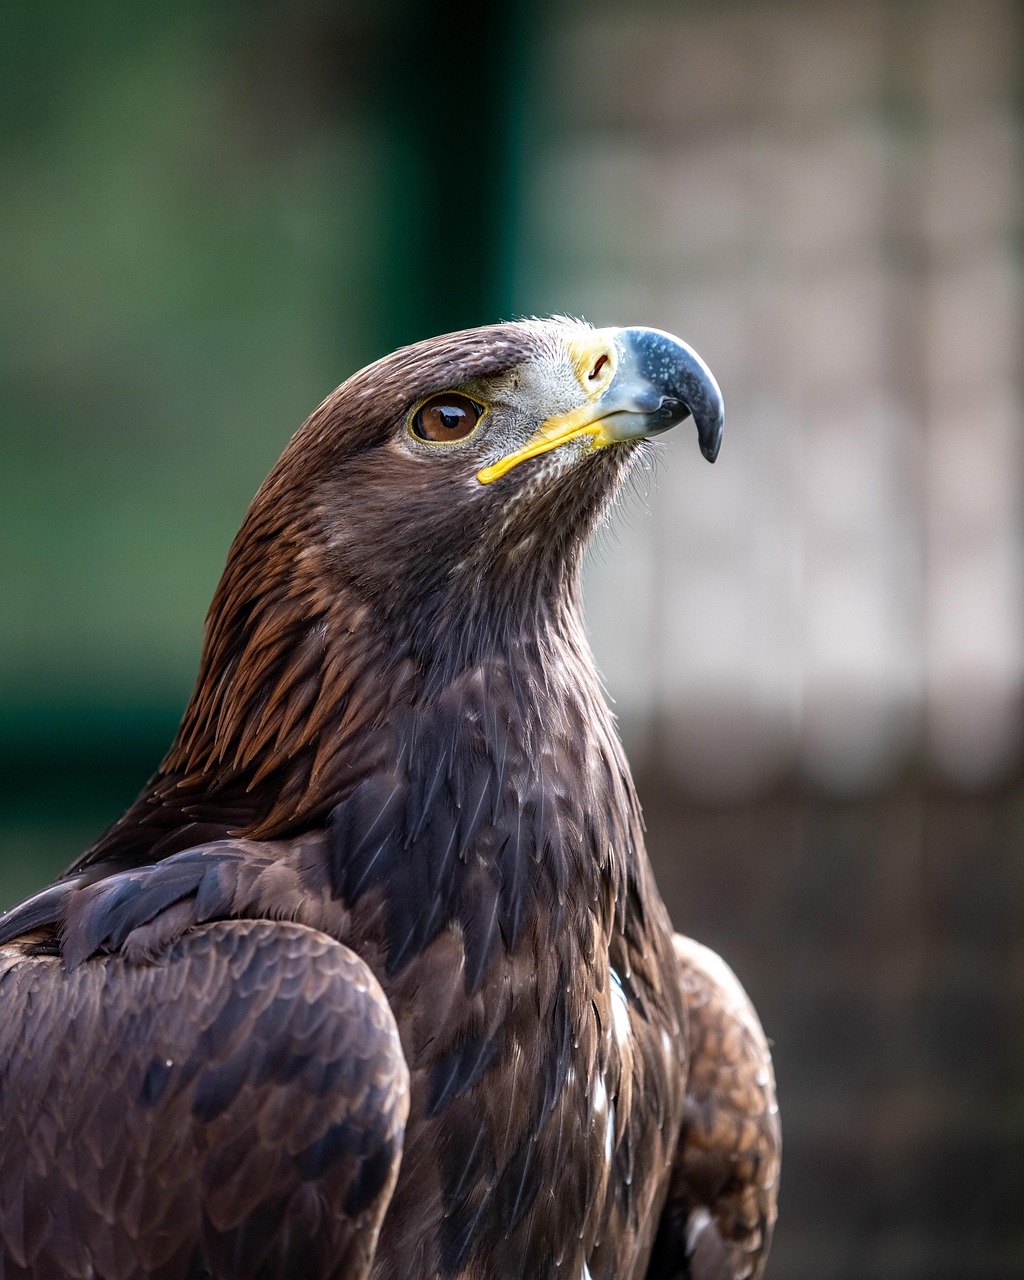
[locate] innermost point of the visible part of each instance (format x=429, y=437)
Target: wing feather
x=722, y=1203
x=239, y=1106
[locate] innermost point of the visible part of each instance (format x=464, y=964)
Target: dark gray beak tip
x=709, y=435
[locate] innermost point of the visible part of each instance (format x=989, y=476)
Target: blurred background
x=212, y=213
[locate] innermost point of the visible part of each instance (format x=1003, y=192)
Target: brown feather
x=238, y=1035
x=723, y=1200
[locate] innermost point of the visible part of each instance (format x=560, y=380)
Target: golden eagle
x=373, y=978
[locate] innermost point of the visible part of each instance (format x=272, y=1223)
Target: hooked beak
x=639, y=382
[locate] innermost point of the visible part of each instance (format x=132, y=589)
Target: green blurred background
x=212, y=213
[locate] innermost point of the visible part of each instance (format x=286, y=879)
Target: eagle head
x=456, y=481
x=429, y=517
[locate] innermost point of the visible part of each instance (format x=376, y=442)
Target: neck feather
x=306, y=690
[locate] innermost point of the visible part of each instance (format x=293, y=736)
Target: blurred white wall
x=825, y=200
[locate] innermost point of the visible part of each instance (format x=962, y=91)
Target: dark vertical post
x=452, y=80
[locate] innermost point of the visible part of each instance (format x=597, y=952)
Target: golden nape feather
x=373, y=978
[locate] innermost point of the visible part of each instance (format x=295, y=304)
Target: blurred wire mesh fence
x=825, y=198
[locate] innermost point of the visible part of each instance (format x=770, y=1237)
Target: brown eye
x=448, y=416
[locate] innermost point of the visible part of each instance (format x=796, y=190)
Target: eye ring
x=446, y=418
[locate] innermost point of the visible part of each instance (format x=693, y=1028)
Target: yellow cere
x=593, y=361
